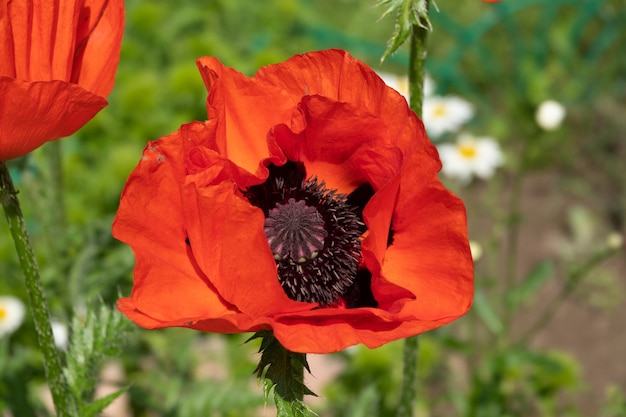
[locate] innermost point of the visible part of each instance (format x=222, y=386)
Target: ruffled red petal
x=430, y=254
x=234, y=102
x=169, y=286
x=226, y=235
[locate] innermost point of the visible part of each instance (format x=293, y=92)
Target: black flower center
x=313, y=232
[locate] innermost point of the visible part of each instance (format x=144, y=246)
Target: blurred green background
x=542, y=221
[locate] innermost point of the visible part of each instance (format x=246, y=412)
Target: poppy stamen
x=313, y=232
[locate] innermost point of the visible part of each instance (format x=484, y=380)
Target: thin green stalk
x=568, y=288
x=417, y=59
x=512, y=242
x=55, y=167
x=408, y=392
x=39, y=306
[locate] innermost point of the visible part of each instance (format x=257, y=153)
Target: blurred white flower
x=550, y=115
x=614, y=241
x=12, y=312
x=60, y=334
x=445, y=114
x=470, y=156
x=400, y=83
x=476, y=249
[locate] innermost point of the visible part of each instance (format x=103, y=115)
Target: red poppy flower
x=57, y=64
x=308, y=204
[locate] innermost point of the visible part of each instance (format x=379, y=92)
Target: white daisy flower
x=60, y=334
x=550, y=115
x=401, y=83
x=12, y=313
x=445, y=114
x=469, y=157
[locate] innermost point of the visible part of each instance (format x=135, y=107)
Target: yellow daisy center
x=439, y=110
x=3, y=313
x=467, y=150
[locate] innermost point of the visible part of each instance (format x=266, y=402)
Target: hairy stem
x=38, y=303
x=418, y=52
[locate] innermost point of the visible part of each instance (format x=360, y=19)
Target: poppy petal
x=99, y=37
x=36, y=112
x=335, y=333
x=233, y=101
x=340, y=144
x=230, y=322
x=168, y=284
x=430, y=256
x=42, y=39
x=71, y=41
x=226, y=234
x=336, y=75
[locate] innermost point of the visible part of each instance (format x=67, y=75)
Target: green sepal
x=282, y=374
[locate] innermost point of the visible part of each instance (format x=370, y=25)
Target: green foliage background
x=505, y=58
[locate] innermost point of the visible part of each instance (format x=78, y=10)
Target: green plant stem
x=417, y=60
x=512, y=242
x=55, y=166
x=38, y=304
x=408, y=392
x=568, y=288
x=418, y=52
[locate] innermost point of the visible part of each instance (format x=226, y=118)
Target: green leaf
x=97, y=333
x=408, y=13
x=96, y=407
x=295, y=408
x=486, y=313
x=539, y=275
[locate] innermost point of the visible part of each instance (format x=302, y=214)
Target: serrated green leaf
x=292, y=408
x=486, y=313
x=97, y=406
x=408, y=14
x=96, y=334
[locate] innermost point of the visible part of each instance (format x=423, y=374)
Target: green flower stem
x=418, y=52
x=408, y=393
x=572, y=282
x=57, y=221
x=417, y=59
x=39, y=305
x=512, y=243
